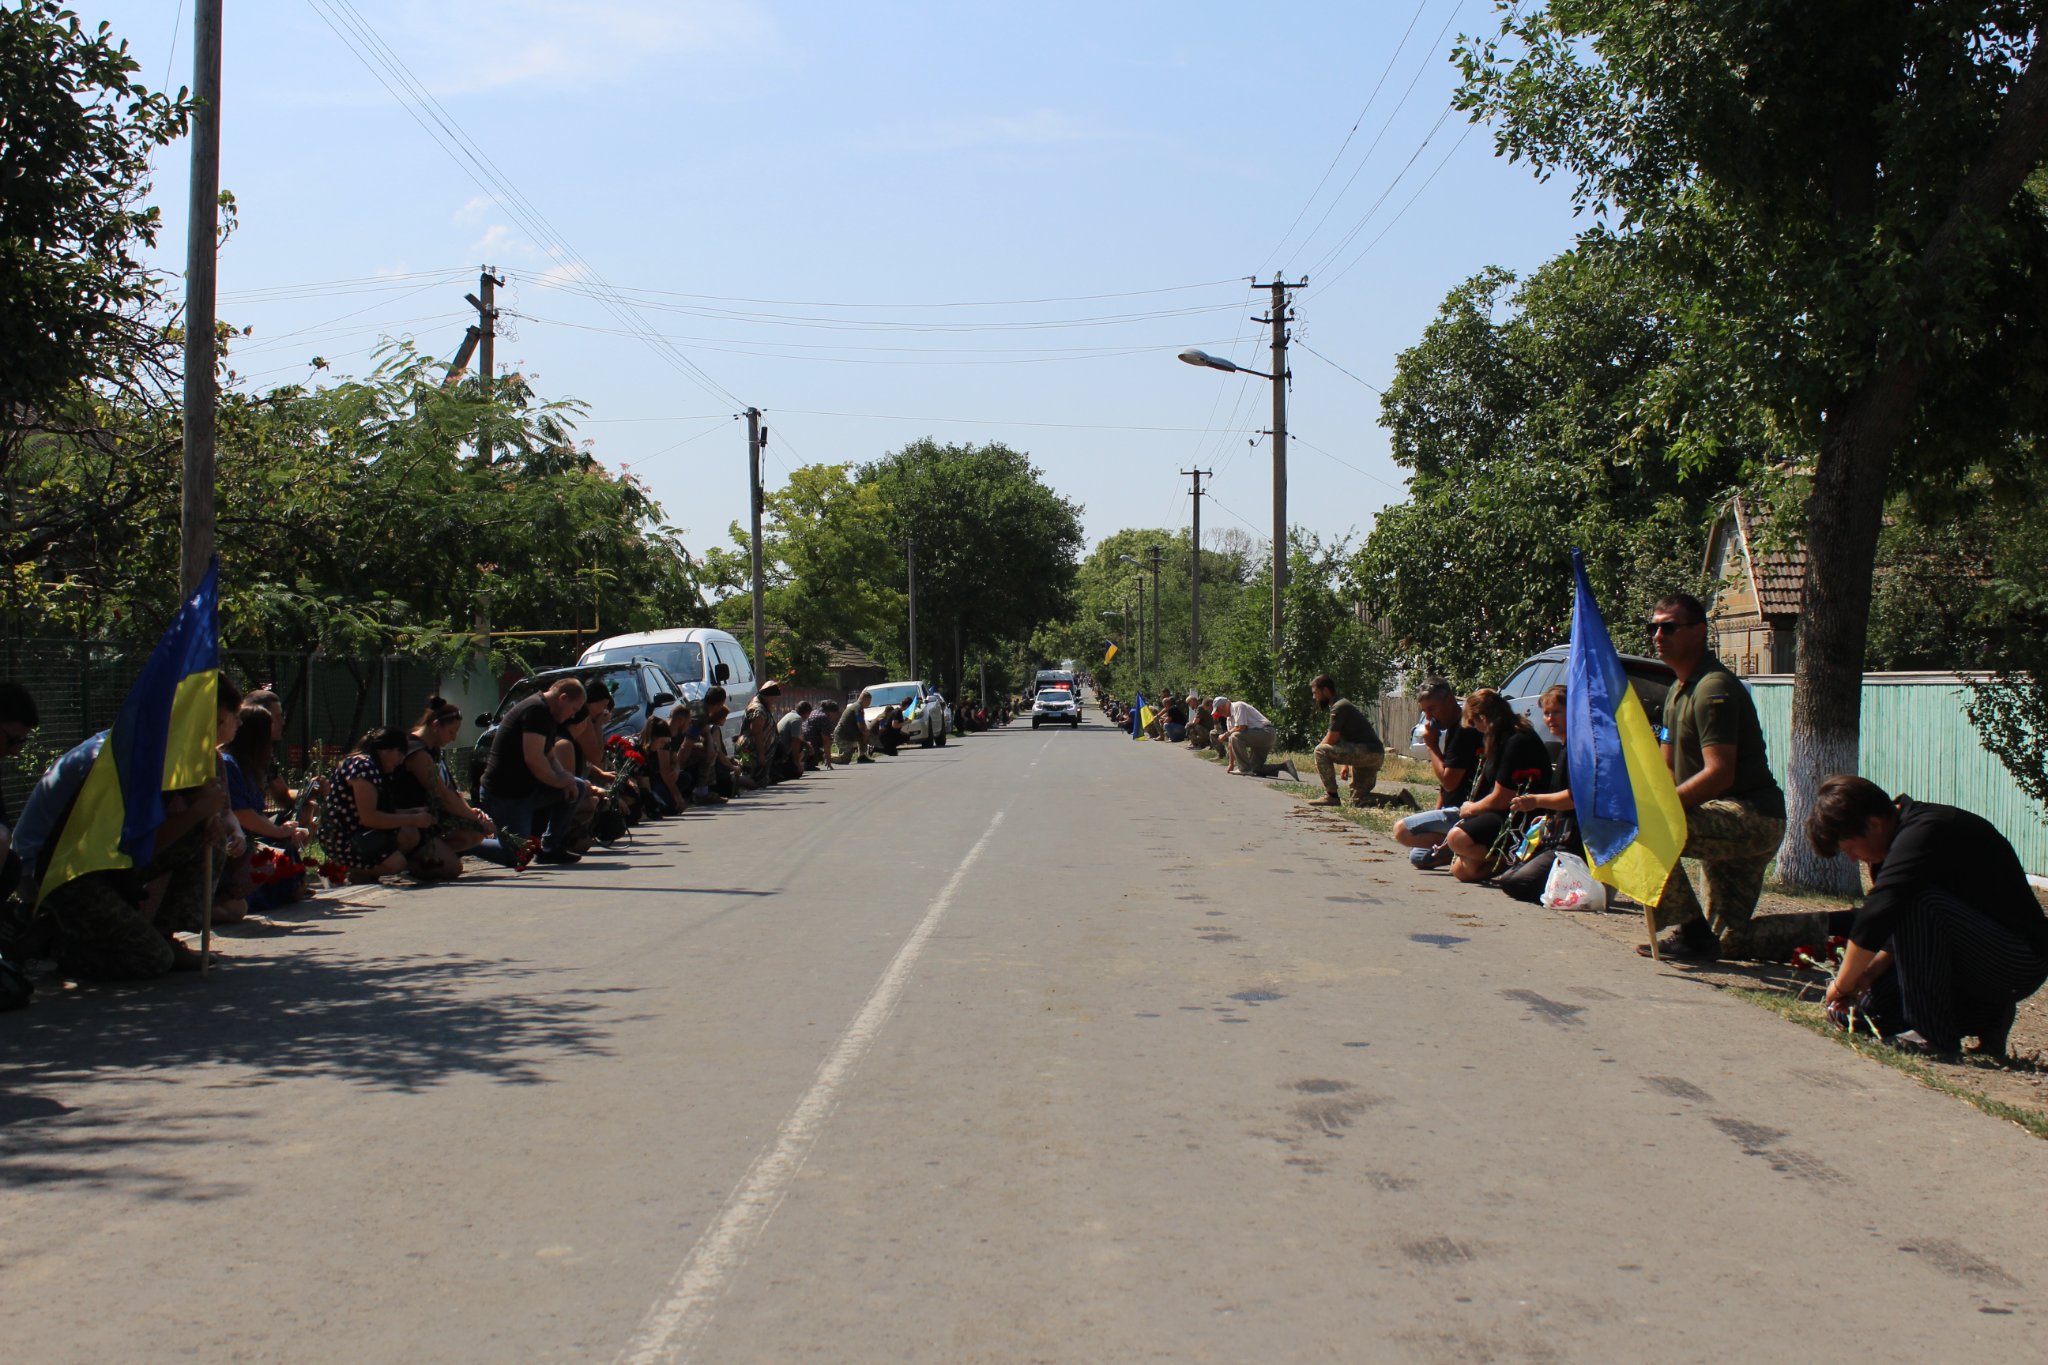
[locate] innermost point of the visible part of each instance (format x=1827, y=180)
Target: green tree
x=75, y=147
x=1319, y=633
x=996, y=547
x=1838, y=192
x=1518, y=415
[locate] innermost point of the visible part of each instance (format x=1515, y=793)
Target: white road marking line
x=684, y=1311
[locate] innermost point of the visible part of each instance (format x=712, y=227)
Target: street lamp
x=1278, y=376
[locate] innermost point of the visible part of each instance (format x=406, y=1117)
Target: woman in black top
x=1514, y=762
x=422, y=783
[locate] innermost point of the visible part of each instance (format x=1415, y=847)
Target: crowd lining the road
x=247, y=842
x=1947, y=941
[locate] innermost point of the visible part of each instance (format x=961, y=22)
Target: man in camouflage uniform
x=1734, y=809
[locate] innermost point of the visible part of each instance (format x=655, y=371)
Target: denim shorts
x=1437, y=822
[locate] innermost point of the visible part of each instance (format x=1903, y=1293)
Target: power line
x=1366, y=160
x=384, y=64
x=1367, y=248
x=1338, y=368
x=986, y=421
x=1369, y=102
x=1297, y=436
x=983, y=303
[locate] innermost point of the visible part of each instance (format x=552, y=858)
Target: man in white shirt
x=1249, y=738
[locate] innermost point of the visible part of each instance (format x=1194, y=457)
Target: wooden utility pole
x=1279, y=319
x=910, y=562
x=755, y=439
x=1153, y=554
x=202, y=250
x=487, y=348
x=1195, y=562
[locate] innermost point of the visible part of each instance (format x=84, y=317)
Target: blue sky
x=832, y=212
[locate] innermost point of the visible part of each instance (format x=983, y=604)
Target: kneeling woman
x=370, y=841
x=1514, y=762
x=422, y=782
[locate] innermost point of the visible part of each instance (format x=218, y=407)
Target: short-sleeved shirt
x=1941, y=848
x=789, y=726
x=849, y=722
x=506, y=775
x=1351, y=725
x=1713, y=707
x=817, y=727
x=1176, y=712
x=242, y=793
x=1250, y=717
x=49, y=802
x=340, y=821
x=1459, y=747
x=403, y=791
x=1523, y=753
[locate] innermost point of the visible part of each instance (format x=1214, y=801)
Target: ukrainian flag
x=1138, y=709
x=1108, y=650
x=162, y=740
x=1629, y=815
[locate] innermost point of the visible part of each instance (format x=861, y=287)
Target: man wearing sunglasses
x=1734, y=809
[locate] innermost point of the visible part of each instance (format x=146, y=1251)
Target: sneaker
x=1913, y=1044
x=863, y=759
x=551, y=857
x=1327, y=799
x=1692, y=941
x=1430, y=859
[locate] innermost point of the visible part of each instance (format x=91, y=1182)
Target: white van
x=697, y=659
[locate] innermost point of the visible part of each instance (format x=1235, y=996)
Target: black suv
x=636, y=686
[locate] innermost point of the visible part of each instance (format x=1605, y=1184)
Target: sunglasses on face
x=1667, y=627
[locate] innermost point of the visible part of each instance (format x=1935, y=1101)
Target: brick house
x=1753, y=617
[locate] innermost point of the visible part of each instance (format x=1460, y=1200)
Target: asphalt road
x=1041, y=1047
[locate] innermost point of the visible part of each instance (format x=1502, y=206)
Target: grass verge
x=1810, y=1014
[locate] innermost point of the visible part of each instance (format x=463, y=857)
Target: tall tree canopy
x=1837, y=192
x=76, y=136
x=1519, y=414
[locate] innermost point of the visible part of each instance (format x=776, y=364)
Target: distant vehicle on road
x=924, y=710
x=1055, y=707
x=1057, y=679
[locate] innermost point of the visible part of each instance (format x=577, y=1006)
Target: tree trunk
x=1844, y=513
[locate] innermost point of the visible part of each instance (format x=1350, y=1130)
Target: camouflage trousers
x=99, y=932
x=1733, y=845
x=1365, y=765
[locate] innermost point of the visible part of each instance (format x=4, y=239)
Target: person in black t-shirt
x=1514, y=763
x=524, y=786
x=1951, y=937
x=1453, y=751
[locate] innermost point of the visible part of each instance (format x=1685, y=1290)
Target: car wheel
x=1034, y=725
x=942, y=739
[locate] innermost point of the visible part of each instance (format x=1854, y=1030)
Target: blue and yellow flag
x=1138, y=708
x=1627, y=802
x=162, y=740
x=1108, y=650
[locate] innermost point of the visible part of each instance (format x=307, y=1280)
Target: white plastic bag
x=1570, y=885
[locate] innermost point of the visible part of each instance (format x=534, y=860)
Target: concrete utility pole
x=756, y=438
x=487, y=346
x=1279, y=319
x=1154, y=554
x=910, y=562
x=1195, y=561
x=202, y=250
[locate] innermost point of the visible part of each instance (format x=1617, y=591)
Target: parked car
x=924, y=710
x=636, y=685
x=1056, y=706
x=1651, y=679
x=697, y=659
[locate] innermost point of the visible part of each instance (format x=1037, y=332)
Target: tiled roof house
x=1754, y=613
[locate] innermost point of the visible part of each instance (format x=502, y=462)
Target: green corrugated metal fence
x=1917, y=739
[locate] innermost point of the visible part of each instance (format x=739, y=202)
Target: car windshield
x=1054, y=696
x=897, y=694
x=682, y=660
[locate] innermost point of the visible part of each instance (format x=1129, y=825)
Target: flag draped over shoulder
x=162, y=739
x=1108, y=650
x=1627, y=802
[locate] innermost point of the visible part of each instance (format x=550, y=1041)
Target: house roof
x=848, y=656
x=1776, y=575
